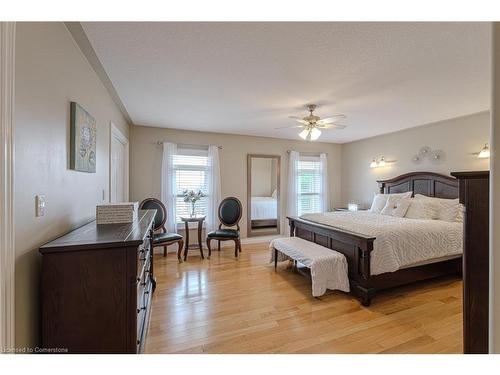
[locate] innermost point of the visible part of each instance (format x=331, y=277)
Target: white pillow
x=380, y=200
x=396, y=206
x=448, y=209
x=422, y=209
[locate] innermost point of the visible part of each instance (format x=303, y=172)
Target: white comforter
x=264, y=208
x=400, y=242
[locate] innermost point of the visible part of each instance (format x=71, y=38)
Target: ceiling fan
x=312, y=124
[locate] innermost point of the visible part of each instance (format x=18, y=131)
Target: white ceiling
x=247, y=78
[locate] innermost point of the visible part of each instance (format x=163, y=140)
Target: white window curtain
x=324, y=193
x=214, y=188
x=292, y=191
x=168, y=185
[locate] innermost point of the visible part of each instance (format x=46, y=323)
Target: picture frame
x=83, y=138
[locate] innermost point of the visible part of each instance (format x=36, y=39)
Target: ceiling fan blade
x=289, y=127
x=331, y=126
x=331, y=119
x=299, y=119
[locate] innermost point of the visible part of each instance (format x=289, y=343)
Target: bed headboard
x=426, y=183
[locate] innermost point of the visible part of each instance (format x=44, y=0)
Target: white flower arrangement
x=190, y=196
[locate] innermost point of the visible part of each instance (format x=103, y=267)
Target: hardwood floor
x=223, y=305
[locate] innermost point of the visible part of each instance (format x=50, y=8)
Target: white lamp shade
x=373, y=164
x=315, y=133
x=485, y=152
x=381, y=163
x=303, y=134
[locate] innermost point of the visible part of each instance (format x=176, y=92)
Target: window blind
x=308, y=185
x=191, y=173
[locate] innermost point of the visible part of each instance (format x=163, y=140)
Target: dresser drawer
x=143, y=310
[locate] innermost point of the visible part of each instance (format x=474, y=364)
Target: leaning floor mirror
x=263, y=195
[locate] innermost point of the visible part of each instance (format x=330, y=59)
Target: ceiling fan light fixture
x=304, y=133
x=315, y=133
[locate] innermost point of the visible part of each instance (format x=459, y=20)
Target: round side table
x=192, y=219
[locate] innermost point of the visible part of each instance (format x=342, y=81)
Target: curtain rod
x=308, y=153
x=187, y=145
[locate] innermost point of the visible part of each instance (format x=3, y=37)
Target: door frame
x=7, y=249
x=116, y=133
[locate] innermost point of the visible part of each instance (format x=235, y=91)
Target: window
x=191, y=170
x=308, y=185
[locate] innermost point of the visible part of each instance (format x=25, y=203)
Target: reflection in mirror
x=263, y=194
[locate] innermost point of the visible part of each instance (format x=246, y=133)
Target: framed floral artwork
x=83, y=133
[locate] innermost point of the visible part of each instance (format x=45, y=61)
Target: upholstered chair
x=162, y=238
x=230, y=211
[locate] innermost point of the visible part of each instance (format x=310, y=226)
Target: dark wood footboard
x=357, y=249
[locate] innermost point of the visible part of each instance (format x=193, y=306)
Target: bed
x=264, y=211
x=371, y=272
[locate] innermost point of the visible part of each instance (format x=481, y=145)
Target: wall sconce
x=376, y=164
x=485, y=152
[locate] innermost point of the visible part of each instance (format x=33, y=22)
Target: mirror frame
x=249, y=195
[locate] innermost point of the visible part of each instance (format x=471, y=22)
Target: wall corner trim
x=83, y=43
x=7, y=249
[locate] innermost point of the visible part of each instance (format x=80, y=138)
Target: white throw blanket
x=328, y=267
x=400, y=242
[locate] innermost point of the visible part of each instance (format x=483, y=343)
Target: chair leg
x=209, y=249
x=218, y=246
x=179, y=250
x=236, y=247
x=239, y=244
x=164, y=251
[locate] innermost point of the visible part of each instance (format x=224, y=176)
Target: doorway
x=119, y=164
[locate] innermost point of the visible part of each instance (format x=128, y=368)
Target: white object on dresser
x=117, y=213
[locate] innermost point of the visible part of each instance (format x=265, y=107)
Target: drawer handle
x=146, y=292
x=142, y=308
x=143, y=259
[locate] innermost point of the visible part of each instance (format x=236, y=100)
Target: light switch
x=40, y=205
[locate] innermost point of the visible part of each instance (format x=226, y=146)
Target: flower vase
x=193, y=214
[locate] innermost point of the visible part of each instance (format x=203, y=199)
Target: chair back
x=230, y=211
x=161, y=211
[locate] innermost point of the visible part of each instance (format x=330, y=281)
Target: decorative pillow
x=448, y=209
x=396, y=206
x=380, y=200
x=273, y=195
x=422, y=209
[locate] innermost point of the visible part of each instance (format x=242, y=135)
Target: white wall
x=459, y=138
x=145, y=161
x=50, y=72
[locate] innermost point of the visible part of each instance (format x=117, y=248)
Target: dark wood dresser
x=96, y=287
x=474, y=195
